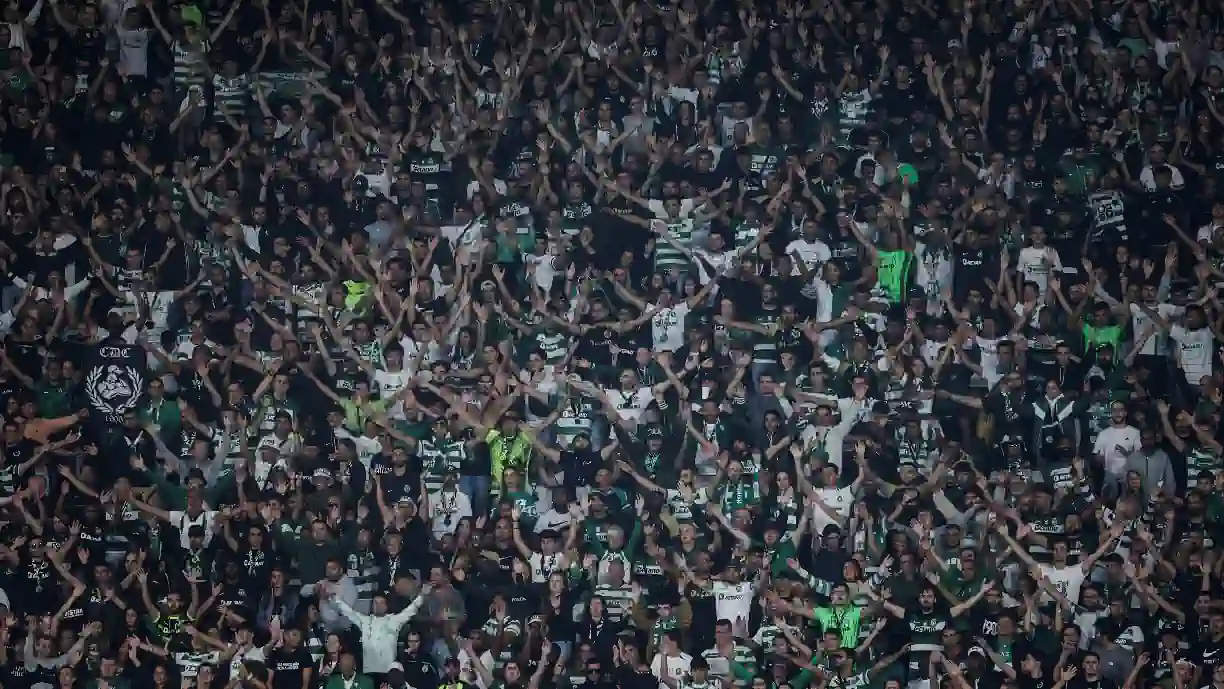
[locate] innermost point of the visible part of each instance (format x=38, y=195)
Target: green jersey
x=525, y=501
x=739, y=494
x=371, y=353
x=574, y=216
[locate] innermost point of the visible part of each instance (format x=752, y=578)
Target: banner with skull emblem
x=115, y=378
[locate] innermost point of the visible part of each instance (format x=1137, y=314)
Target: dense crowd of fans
x=648, y=345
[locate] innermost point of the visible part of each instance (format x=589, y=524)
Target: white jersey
x=678, y=667
x=840, y=500
x=389, y=384
x=734, y=602
x=184, y=522
x=1035, y=264
x=1140, y=322
x=989, y=359
x=667, y=327
x=1196, y=349
x=630, y=405
x=542, y=566
x=682, y=508
x=1067, y=580
x=1108, y=212
x=814, y=254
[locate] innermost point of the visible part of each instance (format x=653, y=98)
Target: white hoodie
x=380, y=634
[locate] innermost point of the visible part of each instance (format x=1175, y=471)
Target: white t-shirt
x=656, y=206
x=543, y=566
x=446, y=508
x=1140, y=322
x=1067, y=579
x=677, y=667
x=667, y=327
x=630, y=405
x=733, y=602
x=840, y=499
x=1196, y=351
x=389, y=384
x=183, y=523
x=1207, y=232
x=254, y=654
x=813, y=254
x=989, y=359
x=720, y=261
x=1109, y=440
x=1147, y=177
x=159, y=309
x=1036, y=263
x=134, y=50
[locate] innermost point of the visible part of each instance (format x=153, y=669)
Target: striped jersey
x=719, y=667
x=231, y=96
x=765, y=347
x=439, y=456
x=576, y=417
x=618, y=600
x=746, y=233
x=1201, y=459
x=371, y=353
x=190, y=64
x=554, y=344
x=668, y=255
x=314, y=293
x=364, y=570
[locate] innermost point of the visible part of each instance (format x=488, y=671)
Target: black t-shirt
x=596, y=346
x=287, y=666
x=1081, y=682
x=1208, y=654
x=580, y=467
x=971, y=268
x=395, y=487
x=1042, y=682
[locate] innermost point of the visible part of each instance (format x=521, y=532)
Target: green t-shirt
x=53, y=400
x=894, y=272
x=165, y=416
x=18, y=82
x=845, y=620
x=356, y=414
x=1095, y=337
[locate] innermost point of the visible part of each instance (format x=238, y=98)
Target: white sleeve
x=75, y=290
x=7, y=319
